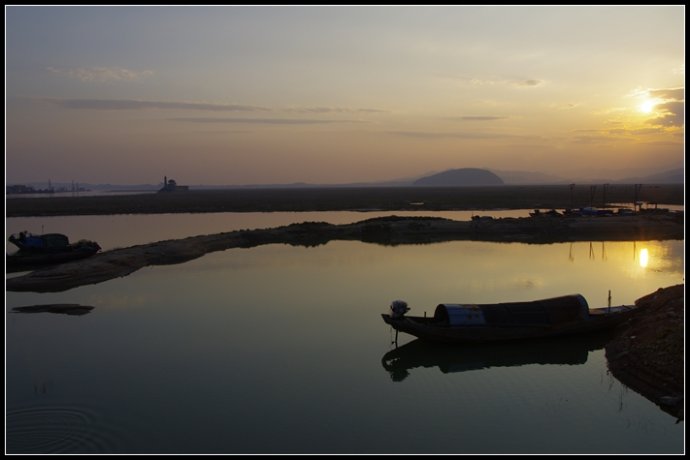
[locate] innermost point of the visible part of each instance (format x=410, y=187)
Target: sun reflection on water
x=644, y=257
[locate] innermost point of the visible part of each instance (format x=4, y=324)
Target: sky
x=234, y=95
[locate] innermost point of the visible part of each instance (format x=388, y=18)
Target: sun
x=647, y=106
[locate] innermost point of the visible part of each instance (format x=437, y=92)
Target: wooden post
x=609, y=300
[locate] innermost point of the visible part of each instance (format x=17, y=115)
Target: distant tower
x=170, y=185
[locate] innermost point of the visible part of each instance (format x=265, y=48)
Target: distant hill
x=464, y=177
x=448, y=178
x=528, y=177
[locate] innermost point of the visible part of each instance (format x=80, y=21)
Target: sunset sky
x=338, y=94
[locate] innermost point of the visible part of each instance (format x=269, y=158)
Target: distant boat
x=36, y=251
x=551, y=213
x=470, y=323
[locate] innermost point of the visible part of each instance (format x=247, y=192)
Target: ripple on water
x=59, y=429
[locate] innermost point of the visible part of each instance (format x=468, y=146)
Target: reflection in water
x=653, y=255
x=418, y=353
x=644, y=257
x=592, y=252
x=62, y=308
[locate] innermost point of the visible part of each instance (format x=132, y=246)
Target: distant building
x=169, y=185
x=11, y=189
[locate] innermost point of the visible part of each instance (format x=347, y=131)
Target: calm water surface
x=281, y=349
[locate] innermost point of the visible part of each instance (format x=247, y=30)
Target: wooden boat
x=36, y=251
x=467, y=323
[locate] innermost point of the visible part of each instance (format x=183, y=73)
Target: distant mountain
x=464, y=177
x=451, y=177
x=528, y=178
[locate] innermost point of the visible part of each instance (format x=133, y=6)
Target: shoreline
x=391, y=230
x=647, y=353
x=350, y=199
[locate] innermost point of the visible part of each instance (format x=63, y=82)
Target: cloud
x=504, y=81
x=261, y=121
x=101, y=74
x=333, y=110
x=459, y=135
x=567, y=106
x=477, y=118
x=643, y=131
x=131, y=104
x=588, y=140
x=672, y=107
x=672, y=114
x=527, y=82
x=671, y=94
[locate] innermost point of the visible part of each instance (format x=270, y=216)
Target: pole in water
x=609, y=300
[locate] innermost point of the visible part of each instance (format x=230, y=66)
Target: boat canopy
x=548, y=311
x=460, y=315
x=26, y=240
x=54, y=240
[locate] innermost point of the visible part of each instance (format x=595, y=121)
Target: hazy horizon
x=340, y=94
x=509, y=177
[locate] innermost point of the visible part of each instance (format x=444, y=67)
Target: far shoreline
x=505, y=197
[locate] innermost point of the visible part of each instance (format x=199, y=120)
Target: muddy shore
x=647, y=353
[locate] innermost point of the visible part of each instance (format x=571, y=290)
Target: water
x=116, y=231
x=281, y=349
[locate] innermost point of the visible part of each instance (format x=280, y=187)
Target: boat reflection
x=460, y=358
x=62, y=308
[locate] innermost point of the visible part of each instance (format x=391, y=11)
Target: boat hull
x=431, y=330
x=22, y=261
